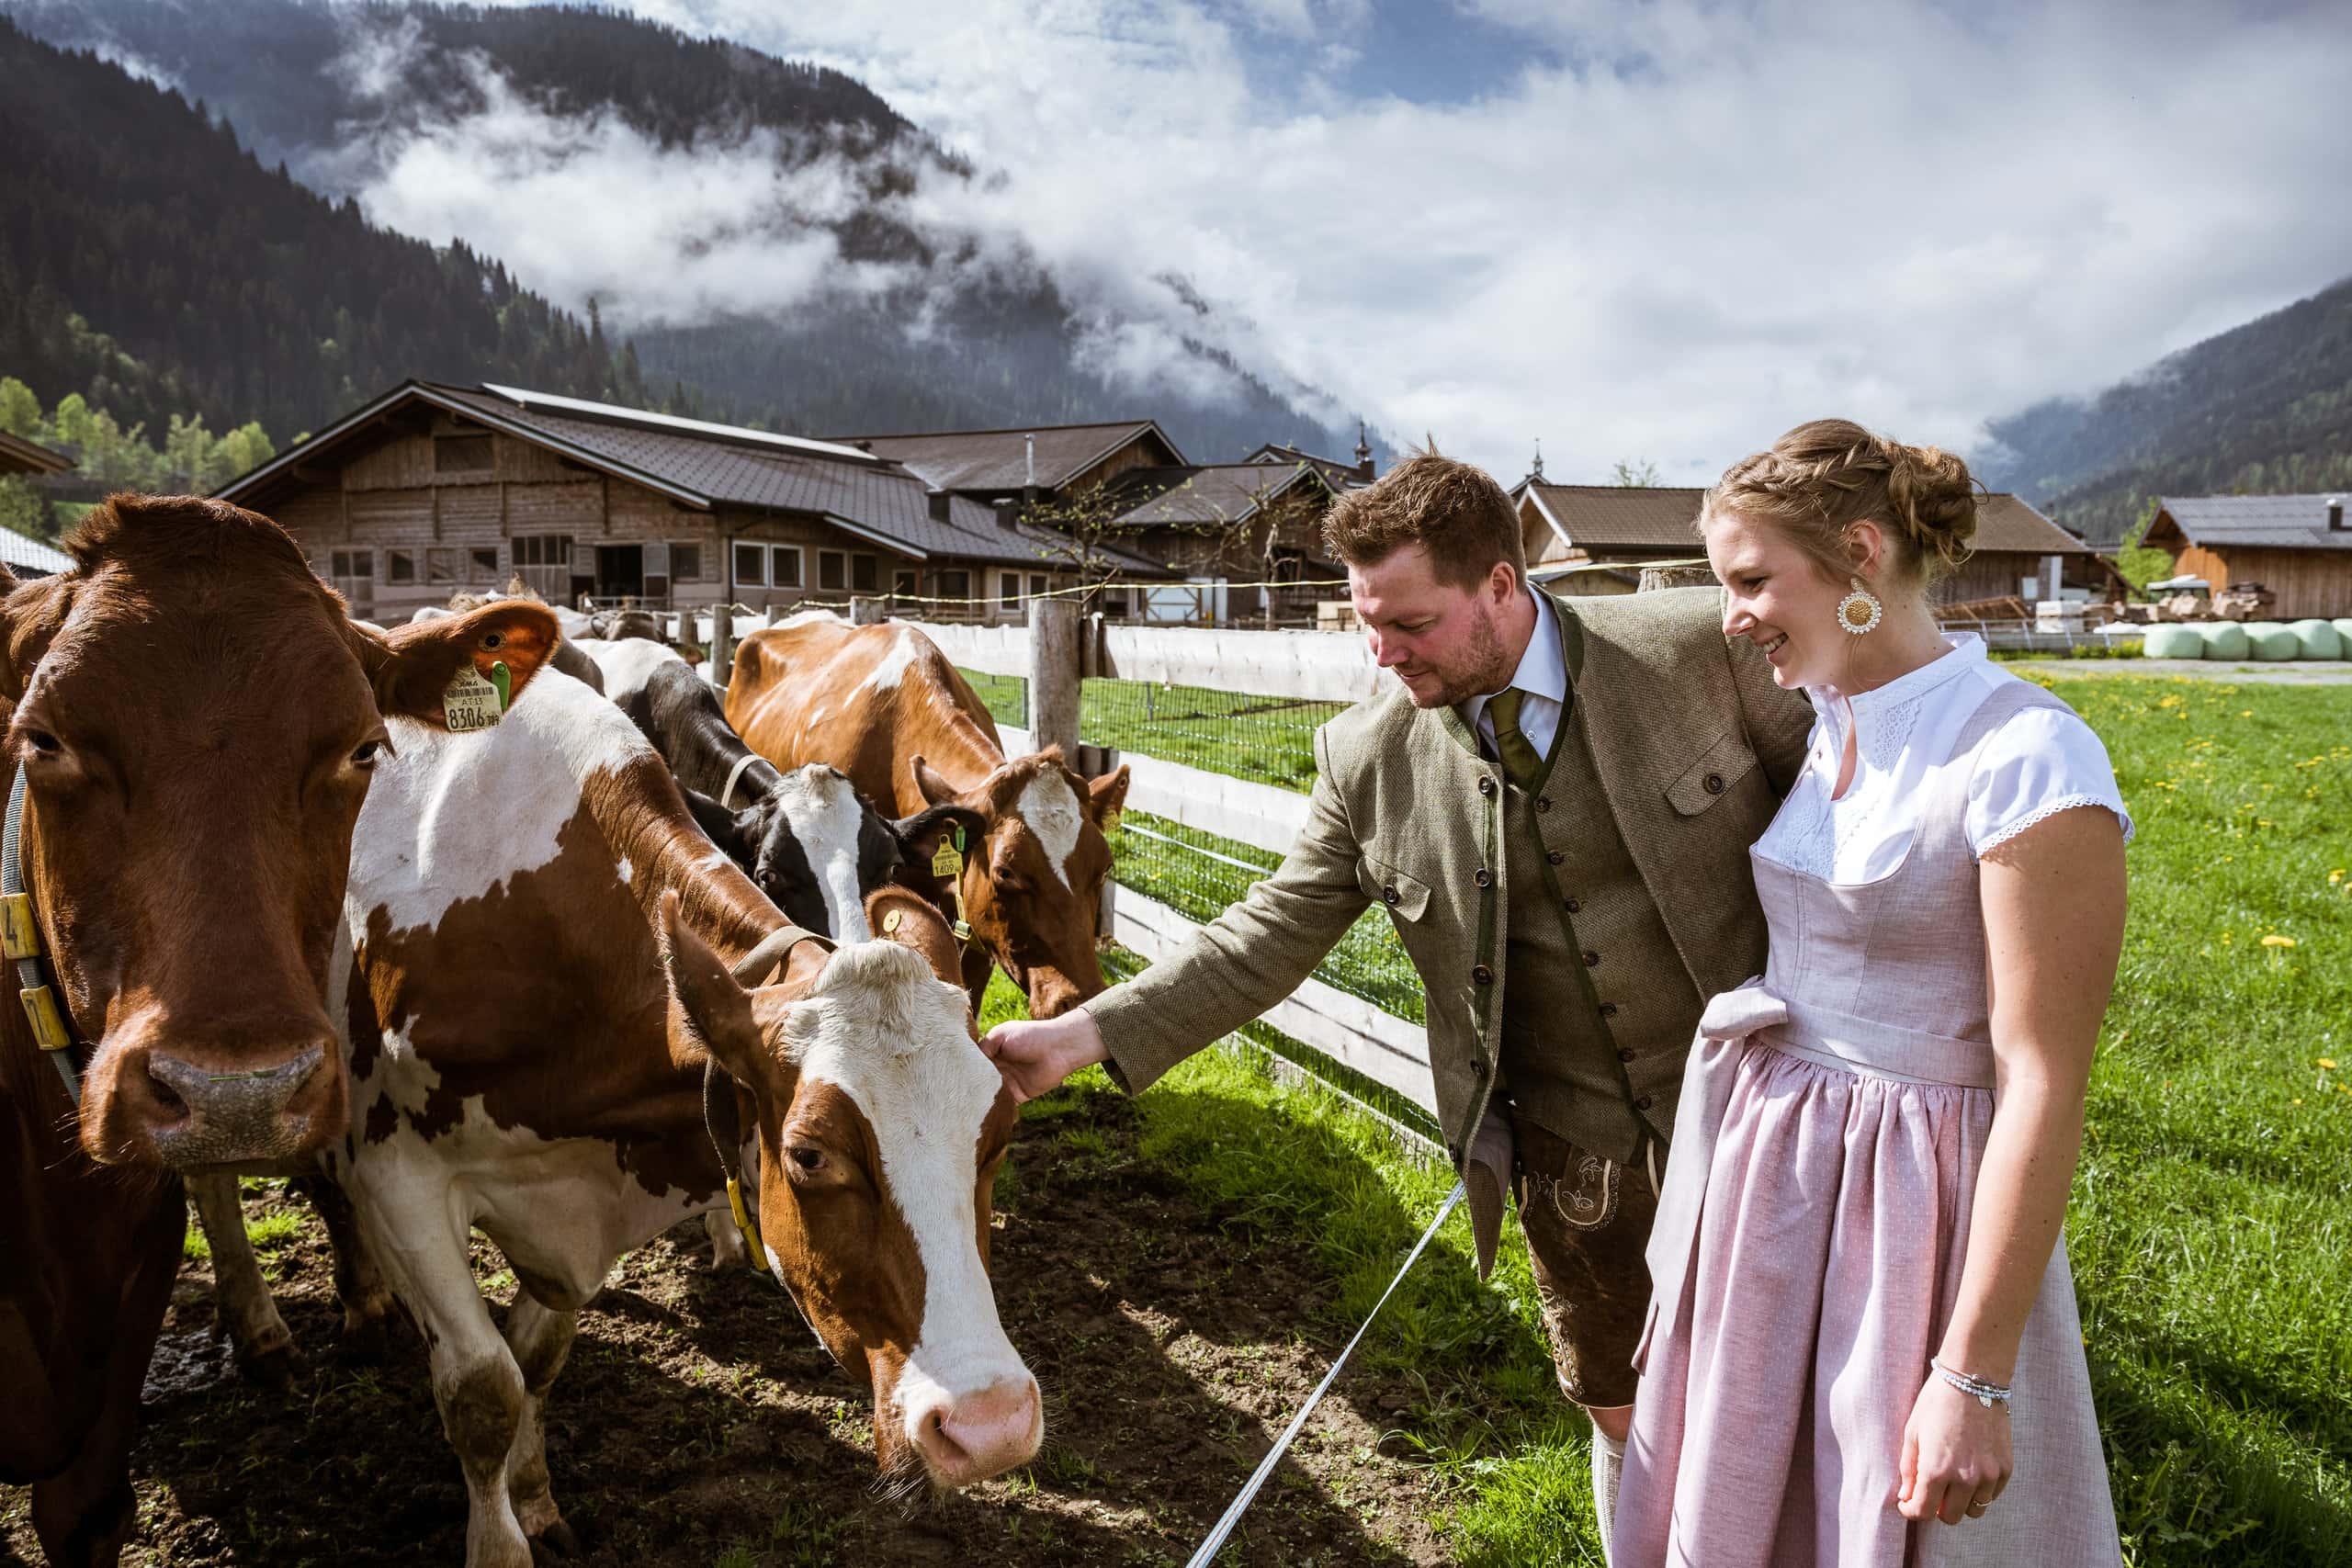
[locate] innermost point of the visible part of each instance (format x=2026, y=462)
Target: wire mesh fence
x=1006, y=696
x=1265, y=739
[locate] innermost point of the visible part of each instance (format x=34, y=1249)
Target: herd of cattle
x=560, y=969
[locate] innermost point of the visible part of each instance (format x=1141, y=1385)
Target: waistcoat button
x=1643, y=1103
x=1483, y=878
x=1483, y=975
x=1542, y=802
x=1573, y=906
x=1485, y=785
x=1624, y=1056
x=1555, y=856
x=1608, y=1010
x=1592, y=959
x=1388, y=894
x=1712, y=783
x=1479, y=1071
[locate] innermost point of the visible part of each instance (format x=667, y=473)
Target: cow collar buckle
x=20, y=941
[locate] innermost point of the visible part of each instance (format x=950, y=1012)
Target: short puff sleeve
x=2040, y=762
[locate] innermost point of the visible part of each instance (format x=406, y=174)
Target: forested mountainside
x=151, y=263
x=2265, y=407
x=954, y=338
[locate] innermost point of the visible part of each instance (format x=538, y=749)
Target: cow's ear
x=710, y=1013
x=899, y=915
x=918, y=836
x=1107, y=797
x=935, y=790
x=729, y=830
x=412, y=667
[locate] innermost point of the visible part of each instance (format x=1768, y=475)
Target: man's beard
x=1483, y=668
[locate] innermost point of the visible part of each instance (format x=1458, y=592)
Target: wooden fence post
x=866, y=612
x=722, y=644
x=1054, y=675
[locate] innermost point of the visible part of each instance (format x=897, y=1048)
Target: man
x=1556, y=809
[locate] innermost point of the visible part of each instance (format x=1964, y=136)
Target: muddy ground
x=699, y=1423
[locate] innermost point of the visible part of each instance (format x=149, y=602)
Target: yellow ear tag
x=893, y=920
x=946, y=860
x=470, y=702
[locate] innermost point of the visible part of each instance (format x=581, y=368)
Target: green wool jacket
x=1694, y=746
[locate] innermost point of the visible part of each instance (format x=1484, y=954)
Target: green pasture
x=2209, y=1231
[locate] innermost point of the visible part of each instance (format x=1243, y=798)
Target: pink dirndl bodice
x=1810, y=1239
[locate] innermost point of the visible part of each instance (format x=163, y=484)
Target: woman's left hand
x=1956, y=1456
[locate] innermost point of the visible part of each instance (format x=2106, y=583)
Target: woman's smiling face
x=1780, y=599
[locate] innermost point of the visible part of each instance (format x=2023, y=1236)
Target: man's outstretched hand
x=1035, y=1055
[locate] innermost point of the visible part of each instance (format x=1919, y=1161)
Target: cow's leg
x=359, y=1284
x=540, y=1337
x=420, y=1238
x=84, y=1515
x=727, y=1249
x=264, y=1349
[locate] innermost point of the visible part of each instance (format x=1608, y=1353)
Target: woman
x=1857, y=1254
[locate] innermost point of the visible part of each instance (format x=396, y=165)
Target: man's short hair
x=1456, y=513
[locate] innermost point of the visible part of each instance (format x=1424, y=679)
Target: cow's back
x=863, y=699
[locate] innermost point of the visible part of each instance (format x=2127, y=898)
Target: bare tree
x=1640, y=473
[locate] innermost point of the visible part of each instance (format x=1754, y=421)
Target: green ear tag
x=504, y=679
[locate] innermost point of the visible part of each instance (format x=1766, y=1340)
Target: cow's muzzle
x=160, y=1108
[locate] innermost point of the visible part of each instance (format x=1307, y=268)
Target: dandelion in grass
x=2276, y=941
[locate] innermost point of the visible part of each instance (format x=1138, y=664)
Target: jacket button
x=1712, y=783
x=1624, y=1056
x=1592, y=959
x=1388, y=894
x=1486, y=784
x=1608, y=1010
x=1555, y=856
x=1643, y=1103
x=1574, y=907
x=1542, y=802
x=1483, y=975
x=1483, y=878
x=1479, y=1071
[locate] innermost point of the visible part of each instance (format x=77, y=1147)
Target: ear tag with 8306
x=471, y=703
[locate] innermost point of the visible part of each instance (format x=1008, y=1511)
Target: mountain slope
x=2265, y=407
x=852, y=303
x=150, y=263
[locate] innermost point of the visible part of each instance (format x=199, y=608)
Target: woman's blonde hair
x=1826, y=475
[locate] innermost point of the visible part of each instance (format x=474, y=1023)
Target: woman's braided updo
x=1828, y=474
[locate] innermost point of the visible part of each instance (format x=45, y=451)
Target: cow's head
x=196, y=719
x=816, y=848
x=1032, y=890
x=881, y=1128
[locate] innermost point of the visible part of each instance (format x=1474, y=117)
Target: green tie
x=1520, y=760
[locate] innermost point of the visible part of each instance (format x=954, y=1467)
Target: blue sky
x=1667, y=229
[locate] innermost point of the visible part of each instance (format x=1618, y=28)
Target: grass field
x=2208, y=1225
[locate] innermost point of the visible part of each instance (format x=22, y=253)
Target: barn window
x=685, y=561
x=785, y=559
x=952, y=584
x=441, y=564
x=1036, y=583
x=460, y=454
x=904, y=582
x=400, y=566
x=751, y=565
x=357, y=566
x=484, y=564
x=1008, y=589
x=832, y=572
x=542, y=549
x=865, y=573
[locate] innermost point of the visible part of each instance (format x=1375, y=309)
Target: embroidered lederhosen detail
x=1589, y=1201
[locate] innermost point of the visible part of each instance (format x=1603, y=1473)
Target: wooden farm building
x=2299, y=546
x=1033, y=463
x=433, y=488
x=24, y=558
x=1242, y=523
x=1626, y=527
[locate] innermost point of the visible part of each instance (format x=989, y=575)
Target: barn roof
x=1210, y=493
x=29, y=558
x=996, y=462
x=2259, y=522
x=1662, y=517
x=700, y=465
x=1341, y=475
x=19, y=455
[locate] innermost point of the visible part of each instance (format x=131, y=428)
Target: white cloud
x=1713, y=222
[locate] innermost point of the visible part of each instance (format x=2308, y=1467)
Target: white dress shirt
x=1543, y=675
x=2039, y=762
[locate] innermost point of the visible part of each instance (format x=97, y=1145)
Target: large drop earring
x=1860, y=611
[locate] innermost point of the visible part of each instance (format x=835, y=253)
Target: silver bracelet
x=1985, y=1393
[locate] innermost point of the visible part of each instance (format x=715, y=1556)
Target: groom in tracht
x=1556, y=809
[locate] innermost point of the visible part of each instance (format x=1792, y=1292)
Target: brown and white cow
x=197, y=722
x=518, y=1066
x=884, y=705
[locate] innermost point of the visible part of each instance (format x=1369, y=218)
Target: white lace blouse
x=2039, y=762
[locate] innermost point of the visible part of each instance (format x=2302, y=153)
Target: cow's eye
x=365, y=756
x=42, y=741
x=807, y=1158
x=1009, y=882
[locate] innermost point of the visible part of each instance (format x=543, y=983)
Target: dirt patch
x=699, y=1422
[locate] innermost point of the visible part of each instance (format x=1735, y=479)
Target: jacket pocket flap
x=1720, y=766
x=1405, y=897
